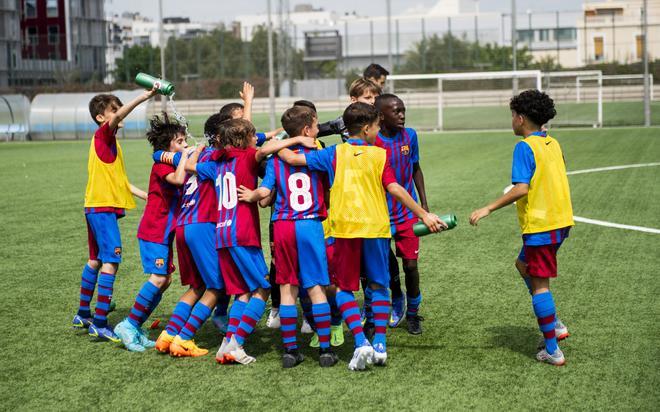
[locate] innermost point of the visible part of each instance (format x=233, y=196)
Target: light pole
x=389, y=35
x=514, y=45
x=271, y=80
x=645, y=51
x=161, y=42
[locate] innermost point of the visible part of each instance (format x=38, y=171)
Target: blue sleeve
x=269, y=178
x=261, y=139
x=207, y=171
x=321, y=160
x=414, y=146
x=162, y=156
x=524, y=165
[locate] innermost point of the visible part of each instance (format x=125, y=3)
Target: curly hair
x=212, y=129
x=358, y=115
x=535, y=105
x=236, y=133
x=162, y=130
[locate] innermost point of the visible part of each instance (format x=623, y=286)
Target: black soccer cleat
x=414, y=324
x=292, y=358
x=327, y=358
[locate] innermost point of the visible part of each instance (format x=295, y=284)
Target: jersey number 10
x=226, y=184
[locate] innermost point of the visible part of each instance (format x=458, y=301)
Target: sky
x=225, y=11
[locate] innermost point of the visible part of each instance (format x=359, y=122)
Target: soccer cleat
x=380, y=354
x=369, y=330
x=336, y=335
x=235, y=353
x=561, y=331
x=273, y=321
x=183, y=348
x=102, y=333
x=398, y=312
x=314, y=343
x=362, y=356
x=556, y=358
x=414, y=323
x=129, y=336
x=163, y=342
x=220, y=355
x=143, y=337
x=221, y=323
x=292, y=358
x=79, y=322
x=327, y=358
x=306, y=328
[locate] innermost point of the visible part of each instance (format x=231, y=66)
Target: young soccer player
x=299, y=242
x=107, y=196
x=238, y=238
x=359, y=175
x=402, y=148
x=156, y=231
x=545, y=213
x=377, y=74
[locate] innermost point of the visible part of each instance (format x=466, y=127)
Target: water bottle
x=149, y=82
x=420, y=229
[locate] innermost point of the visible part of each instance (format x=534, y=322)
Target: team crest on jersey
x=160, y=262
x=117, y=251
x=405, y=149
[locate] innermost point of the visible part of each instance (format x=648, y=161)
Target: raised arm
x=275, y=146
x=247, y=94
x=518, y=191
x=434, y=223
x=126, y=109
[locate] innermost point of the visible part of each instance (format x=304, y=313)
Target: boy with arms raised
x=359, y=175
x=545, y=213
x=299, y=244
x=107, y=196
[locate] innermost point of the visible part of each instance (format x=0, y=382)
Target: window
x=639, y=46
x=52, y=8
x=526, y=36
x=544, y=35
x=53, y=35
x=598, y=48
x=565, y=34
x=32, y=36
x=30, y=8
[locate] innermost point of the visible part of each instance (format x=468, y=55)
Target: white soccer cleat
x=561, y=331
x=306, y=327
x=380, y=355
x=220, y=355
x=361, y=357
x=236, y=353
x=556, y=358
x=273, y=320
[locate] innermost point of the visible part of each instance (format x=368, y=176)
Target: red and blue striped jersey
x=238, y=222
x=198, y=202
x=159, y=217
x=402, y=153
x=300, y=191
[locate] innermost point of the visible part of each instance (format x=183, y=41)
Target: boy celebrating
x=545, y=214
x=359, y=175
x=299, y=244
x=107, y=196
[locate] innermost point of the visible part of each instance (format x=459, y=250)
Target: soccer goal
x=578, y=97
x=461, y=101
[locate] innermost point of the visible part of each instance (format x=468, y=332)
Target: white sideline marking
x=603, y=169
x=616, y=225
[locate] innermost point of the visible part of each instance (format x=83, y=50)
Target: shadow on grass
x=521, y=339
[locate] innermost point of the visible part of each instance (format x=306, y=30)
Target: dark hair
x=162, y=130
x=374, y=71
x=305, y=103
x=212, y=129
x=535, y=105
x=357, y=115
x=227, y=110
x=236, y=133
x=296, y=118
x=100, y=102
x=384, y=98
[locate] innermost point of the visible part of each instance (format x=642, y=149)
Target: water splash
x=181, y=119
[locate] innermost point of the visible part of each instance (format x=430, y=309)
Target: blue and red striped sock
x=412, y=304
x=154, y=305
x=380, y=304
x=103, y=299
x=144, y=299
x=251, y=315
x=87, y=286
x=235, y=315
x=288, y=320
x=321, y=313
x=544, y=309
x=197, y=317
x=351, y=314
x=178, y=319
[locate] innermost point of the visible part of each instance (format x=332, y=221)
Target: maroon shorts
x=407, y=244
x=330, y=253
x=234, y=282
x=188, y=272
x=541, y=260
x=353, y=256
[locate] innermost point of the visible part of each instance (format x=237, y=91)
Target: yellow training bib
x=107, y=183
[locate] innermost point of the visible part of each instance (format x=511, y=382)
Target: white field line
x=604, y=169
x=615, y=225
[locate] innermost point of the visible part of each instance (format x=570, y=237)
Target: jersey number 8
x=299, y=186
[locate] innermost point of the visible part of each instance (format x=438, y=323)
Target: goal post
x=575, y=93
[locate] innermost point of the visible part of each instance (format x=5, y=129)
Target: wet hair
x=357, y=115
x=305, y=103
x=236, y=133
x=383, y=99
x=162, y=130
x=362, y=85
x=535, y=105
x=374, y=71
x=212, y=129
x=227, y=110
x=296, y=118
x=100, y=103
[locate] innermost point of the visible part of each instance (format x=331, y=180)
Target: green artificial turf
x=480, y=335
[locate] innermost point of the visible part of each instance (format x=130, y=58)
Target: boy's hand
x=308, y=142
x=434, y=223
x=200, y=148
x=148, y=94
x=245, y=194
x=478, y=215
x=247, y=94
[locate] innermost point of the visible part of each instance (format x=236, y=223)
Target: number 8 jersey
x=300, y=191
x=238, y=222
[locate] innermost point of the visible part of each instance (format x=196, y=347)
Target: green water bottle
x=148, y=82
x=420, y=229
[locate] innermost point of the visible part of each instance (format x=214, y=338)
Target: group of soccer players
x=333, y=214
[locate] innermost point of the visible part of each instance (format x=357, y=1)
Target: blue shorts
x=200, y=239
x=251, y=265
x=299, y=253
x=156, y=257
x=103, y=237
x=353, y=255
